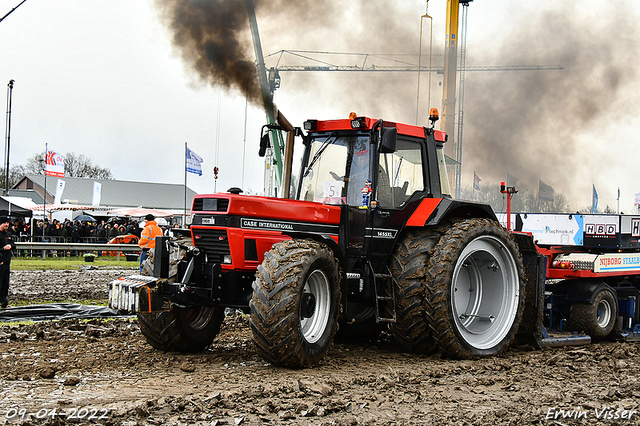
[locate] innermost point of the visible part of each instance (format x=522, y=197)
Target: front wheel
x=182, y=329
x=475, y=289
x=295, y=303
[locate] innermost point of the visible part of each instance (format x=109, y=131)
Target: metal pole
x=426, y=15
x=44, y=197
x=8, y=136
x=244, y=142
x=11, y=11
x=184, y=218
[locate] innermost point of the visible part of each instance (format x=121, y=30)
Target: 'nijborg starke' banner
x=54, y=164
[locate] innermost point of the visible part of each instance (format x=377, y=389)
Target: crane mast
x=273, y=157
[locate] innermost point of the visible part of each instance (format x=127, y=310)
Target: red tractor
x=372, y=238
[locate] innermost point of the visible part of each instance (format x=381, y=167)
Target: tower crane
x=270, y=80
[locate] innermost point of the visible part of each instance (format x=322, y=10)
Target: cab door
x=400, y=175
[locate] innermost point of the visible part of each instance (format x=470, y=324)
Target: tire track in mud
x=107, y=365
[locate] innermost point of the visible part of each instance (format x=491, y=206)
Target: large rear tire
x=597, y=319
x=409, y=272
x=475, y=289
x=295, y=303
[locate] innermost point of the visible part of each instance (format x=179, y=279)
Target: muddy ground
x=103, y=372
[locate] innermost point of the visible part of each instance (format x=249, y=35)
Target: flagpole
x=184, y=222
x=44, y=196
x=473, y=185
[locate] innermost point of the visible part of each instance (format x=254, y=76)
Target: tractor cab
x=369, y=164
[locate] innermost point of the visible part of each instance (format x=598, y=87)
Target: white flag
x=54, y=164
x=193, y=162
x=59, y=190
x=97, y=192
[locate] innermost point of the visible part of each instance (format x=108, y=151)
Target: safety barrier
x=77, y=247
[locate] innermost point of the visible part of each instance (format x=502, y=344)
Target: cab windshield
x=338, y=169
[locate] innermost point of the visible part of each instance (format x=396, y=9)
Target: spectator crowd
x=74, y=231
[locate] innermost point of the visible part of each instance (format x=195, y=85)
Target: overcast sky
x=102, y=78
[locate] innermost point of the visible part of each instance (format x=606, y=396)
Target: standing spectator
x=113, y=231
x=148, y=237
x=6, y=245
x=75, y=235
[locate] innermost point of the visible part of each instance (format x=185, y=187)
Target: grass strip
x=69, y=263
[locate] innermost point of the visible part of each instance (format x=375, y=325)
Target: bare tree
x=525, y=201
x=15, y=174
x=75, y=165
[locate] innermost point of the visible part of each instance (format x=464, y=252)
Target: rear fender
x=326, y=239
x=585, y=292
x=432, y=211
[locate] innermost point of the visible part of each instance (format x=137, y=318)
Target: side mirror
x=388, y=142
x=264, y=144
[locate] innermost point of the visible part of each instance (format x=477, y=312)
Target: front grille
x=210, y=205
x=214, y=242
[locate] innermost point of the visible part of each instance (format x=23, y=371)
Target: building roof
x=30, y=194
x=119, y=193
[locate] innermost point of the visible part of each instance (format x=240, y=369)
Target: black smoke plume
x=213, y=37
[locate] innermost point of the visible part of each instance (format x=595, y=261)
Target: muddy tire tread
x=275, y=303
x=408, y=268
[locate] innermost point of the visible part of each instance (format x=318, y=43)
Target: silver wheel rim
x=603, y=314
x=485, y=292
x=314, y=325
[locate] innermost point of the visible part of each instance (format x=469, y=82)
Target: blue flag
x=193, y=162
x=595, y=200
x=476, y=181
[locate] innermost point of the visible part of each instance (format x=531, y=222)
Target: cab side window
x=400, y=174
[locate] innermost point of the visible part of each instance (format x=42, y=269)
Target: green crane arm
x=267, y=97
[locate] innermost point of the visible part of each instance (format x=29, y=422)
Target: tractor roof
x=367, y=123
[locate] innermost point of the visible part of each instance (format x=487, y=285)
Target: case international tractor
x=371, y=239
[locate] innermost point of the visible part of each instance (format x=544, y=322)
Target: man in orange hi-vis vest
x=148, y=237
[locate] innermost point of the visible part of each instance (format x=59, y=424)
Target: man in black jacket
x=6, y=245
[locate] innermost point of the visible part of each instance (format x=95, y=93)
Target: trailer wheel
x=475, y=289
x=295, y=303
x=597, y=319
x=181, y=329
x=408, y=269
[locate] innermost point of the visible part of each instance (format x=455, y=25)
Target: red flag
x=54, y=164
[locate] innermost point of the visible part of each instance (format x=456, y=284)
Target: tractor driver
x=358, y=175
